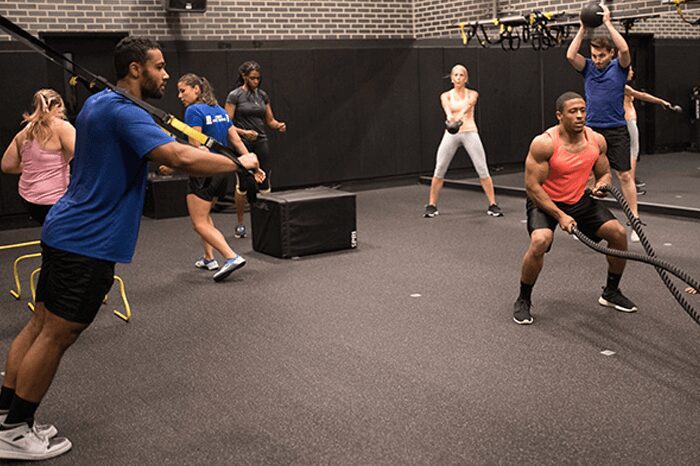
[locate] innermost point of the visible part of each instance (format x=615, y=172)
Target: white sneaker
x=634, y=237
x=45, y=430
x=209, y=264
x=23, y=443
x=229, y=266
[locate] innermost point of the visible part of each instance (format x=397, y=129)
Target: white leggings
x=450, y=143
x=634, y=139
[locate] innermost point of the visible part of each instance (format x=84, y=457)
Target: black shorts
x=209, y=187
x=618, y=140
x=589, y=213
x=73, y=286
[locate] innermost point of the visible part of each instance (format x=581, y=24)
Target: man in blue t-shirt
x=94, y=225
x=604, y=81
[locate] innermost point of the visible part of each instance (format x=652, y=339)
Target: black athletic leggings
x=261, y=149
x=36, y=211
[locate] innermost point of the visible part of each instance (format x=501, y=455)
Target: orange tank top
x=568, y=172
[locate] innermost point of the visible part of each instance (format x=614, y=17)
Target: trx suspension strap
x=97, y=83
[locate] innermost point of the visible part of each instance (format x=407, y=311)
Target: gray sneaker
x=240, y=231
x=23, y=443
x=521, y=312
x=495, y=211
x=430, y=211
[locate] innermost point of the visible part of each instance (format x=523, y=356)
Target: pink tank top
x=45, y=174
x=568, y=172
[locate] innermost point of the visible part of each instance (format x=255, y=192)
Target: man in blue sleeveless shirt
x=94, y=225
x=604, y=81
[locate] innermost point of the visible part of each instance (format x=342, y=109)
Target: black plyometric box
x=306, y=221
x=166, y=197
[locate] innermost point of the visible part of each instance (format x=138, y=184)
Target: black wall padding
x=373, y=111
x=677, y=71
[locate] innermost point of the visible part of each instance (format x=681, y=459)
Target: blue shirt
x=100, y=214
x=605, y=94
x=213, y=120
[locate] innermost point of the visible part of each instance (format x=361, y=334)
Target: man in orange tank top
x=556, y=170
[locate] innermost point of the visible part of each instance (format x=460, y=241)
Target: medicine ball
x=592, y=15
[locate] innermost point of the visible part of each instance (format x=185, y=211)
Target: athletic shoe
x=430, y=211
x=616, y=300
x=43, y=430
x=240, y=231
x=495, y=211
x=23, y=443
x=521, y=312
x=639, y=183
x=209, y=264
x=229, y=267
x=634, y=237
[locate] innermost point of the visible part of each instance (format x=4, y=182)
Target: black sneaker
x=495, y=211
x=616, y=300
x=521, y=312
x=430, y=211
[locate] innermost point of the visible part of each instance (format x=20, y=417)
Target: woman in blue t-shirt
x=249, y=106
x=203, y=113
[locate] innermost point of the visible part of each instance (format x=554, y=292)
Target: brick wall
x=223, y=20
x=436, y=18
x=308, y=19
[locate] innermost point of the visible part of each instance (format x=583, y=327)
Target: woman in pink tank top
x=40, y=154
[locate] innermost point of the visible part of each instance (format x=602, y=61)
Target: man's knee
x=61, y=332
x=613, y=232
x=540, y=241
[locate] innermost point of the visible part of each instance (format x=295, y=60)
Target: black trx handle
x=661, y=266
x=94, y=82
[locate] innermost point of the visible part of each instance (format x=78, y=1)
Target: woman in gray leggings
x=459, y=103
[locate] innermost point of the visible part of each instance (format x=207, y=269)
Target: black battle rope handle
x=164, y=119
x=660, y=265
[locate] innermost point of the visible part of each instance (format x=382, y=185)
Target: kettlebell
x=452, y=127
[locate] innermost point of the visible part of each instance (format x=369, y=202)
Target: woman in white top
x=458, y=104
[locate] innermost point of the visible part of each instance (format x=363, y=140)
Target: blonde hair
x=206, y=94
x=39, y=121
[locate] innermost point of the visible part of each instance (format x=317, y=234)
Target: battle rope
x=661, y=266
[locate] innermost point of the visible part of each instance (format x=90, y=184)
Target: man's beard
x=150, y=88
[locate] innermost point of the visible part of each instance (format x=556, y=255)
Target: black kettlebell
x=592, y=15
x=452, y=127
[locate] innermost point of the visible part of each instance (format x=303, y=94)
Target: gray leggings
x=450, y=143
x=634, y=139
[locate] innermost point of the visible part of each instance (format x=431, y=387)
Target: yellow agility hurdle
x=18, y=292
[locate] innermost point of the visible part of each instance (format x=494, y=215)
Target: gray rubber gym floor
x=402, y=351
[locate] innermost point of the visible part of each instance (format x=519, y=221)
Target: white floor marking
x=415, y=295
x=607, y=352
x=668, y=244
